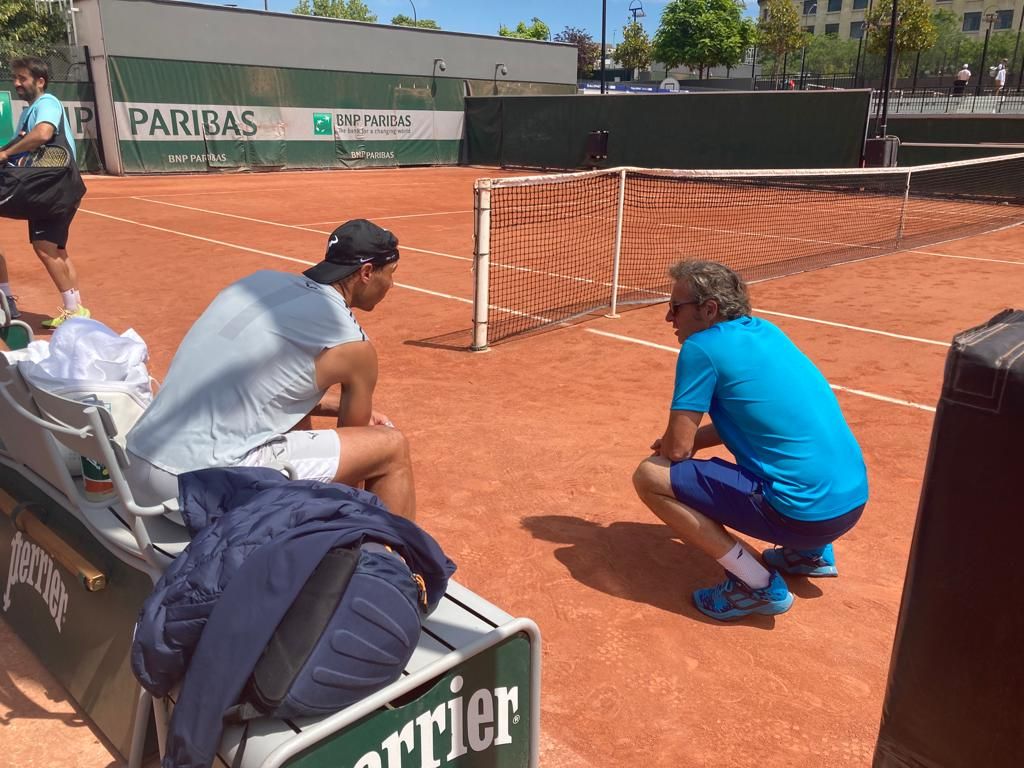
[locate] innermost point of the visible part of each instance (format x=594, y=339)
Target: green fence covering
x=190, y=116
x=694, y=130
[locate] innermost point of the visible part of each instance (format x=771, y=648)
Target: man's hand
x=378, y=419
x=656, y=447
x=4, y=157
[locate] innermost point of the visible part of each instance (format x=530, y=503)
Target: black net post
x=957, y=669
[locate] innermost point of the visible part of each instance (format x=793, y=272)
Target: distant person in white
x=260, y=359
x=1000, y=76
x=960, y=81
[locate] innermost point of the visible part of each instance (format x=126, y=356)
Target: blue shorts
x=732, y=496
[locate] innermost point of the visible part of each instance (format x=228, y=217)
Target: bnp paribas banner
x=80, y=110
x=189, y=116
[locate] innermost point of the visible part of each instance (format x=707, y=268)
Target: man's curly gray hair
x=710, y=280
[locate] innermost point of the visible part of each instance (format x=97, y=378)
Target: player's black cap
x=351, y=245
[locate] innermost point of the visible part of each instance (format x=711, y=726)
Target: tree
x=352, y=10
x=634, y=52
x=587, y=51
x=401, y=20
x=27, y=29
x=915, y=30
x=778, y=30
x=537, y=30
x=702, y=34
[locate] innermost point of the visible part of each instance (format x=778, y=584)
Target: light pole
x=1016, y=46
x=990, y=17
x=604, y=29
x=811, y=11
x=637, y=9
x=415, y=22
x=882, y=127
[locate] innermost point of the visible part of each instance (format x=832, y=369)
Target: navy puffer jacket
x=256, y=539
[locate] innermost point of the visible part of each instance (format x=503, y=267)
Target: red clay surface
x=524, y=456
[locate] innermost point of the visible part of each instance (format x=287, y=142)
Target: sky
x=485, y=16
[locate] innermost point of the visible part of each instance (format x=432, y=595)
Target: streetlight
x=990, y=17
x=1013, y=61
x=415, y=23
x=637, y=9
x=604, y=38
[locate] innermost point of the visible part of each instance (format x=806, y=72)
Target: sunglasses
x=675, y=305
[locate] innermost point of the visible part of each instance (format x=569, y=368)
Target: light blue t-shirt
x=776, y=412
x=46, y=109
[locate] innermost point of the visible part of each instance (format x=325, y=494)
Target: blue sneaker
x=732, y=599
x=802, y=562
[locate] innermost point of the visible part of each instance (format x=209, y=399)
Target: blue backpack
x=349, y=633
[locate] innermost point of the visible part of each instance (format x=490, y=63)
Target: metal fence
x=804, y=81
x=936, y=101
x=68, y=64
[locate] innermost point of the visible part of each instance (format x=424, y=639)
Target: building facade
x=845, y=18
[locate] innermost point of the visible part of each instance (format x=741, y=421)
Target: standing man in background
x=960, y=81
x=1000, y=77
x=42, y=123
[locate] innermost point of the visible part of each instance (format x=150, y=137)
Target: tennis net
x=550, y=249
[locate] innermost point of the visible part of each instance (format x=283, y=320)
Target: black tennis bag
x=349, y=633
x=45, y=184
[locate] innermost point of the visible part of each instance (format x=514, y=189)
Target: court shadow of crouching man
x=641, y=562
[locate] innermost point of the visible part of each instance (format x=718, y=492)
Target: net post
x=481, y=261
x=614, y=312
x=903, y=210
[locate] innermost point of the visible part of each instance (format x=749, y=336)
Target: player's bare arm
x=31, y=141
x=679, y=439
x=353, y=367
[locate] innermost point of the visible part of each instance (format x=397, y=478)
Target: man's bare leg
x=58, y=264
x=379, y=456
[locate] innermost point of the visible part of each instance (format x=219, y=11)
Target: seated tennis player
x=799, y=479
x=259, y=359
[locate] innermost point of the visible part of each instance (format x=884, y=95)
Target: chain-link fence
x=68, y=64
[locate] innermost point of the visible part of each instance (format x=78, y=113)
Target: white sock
x=70, y=299
x=78, y=297
x=5, y=288
x=740, y=562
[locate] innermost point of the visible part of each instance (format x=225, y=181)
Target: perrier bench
x=76, y=572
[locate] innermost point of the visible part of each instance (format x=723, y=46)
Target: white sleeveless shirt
x=244, y=373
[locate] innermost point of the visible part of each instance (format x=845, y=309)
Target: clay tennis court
x=524, y=456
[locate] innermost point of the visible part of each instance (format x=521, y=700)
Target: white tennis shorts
x=314, y=454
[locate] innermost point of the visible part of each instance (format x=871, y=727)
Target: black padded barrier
x=955, y=696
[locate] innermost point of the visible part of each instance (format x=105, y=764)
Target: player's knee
x=396, y=444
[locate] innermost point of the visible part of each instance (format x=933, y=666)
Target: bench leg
x=161, y=715
x=142, y=710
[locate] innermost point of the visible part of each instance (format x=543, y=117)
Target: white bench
x=470, y=693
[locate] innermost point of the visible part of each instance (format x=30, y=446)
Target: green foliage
x=352, y=10
x=915, y=29
x=634, y=52
x=27, y=29
x=537, y=30
x=779, y=30
x=401, y=20
x=587, y=51
x=701, y=34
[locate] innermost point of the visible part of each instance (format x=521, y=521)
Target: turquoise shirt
x=776, y=413
x=46, y=109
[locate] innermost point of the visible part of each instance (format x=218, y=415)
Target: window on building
x=809, y=30
x=1004, y=19
x=856, y=30
x=972, y=21
x=835, y=5
x=832, y=29
x=810, y=6
x=859, y=5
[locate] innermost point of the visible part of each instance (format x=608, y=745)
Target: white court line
x=460, y=299
x=388, y=218
x=853, y=327
x=970, y=258
x=191, y=194
x=837, y=387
